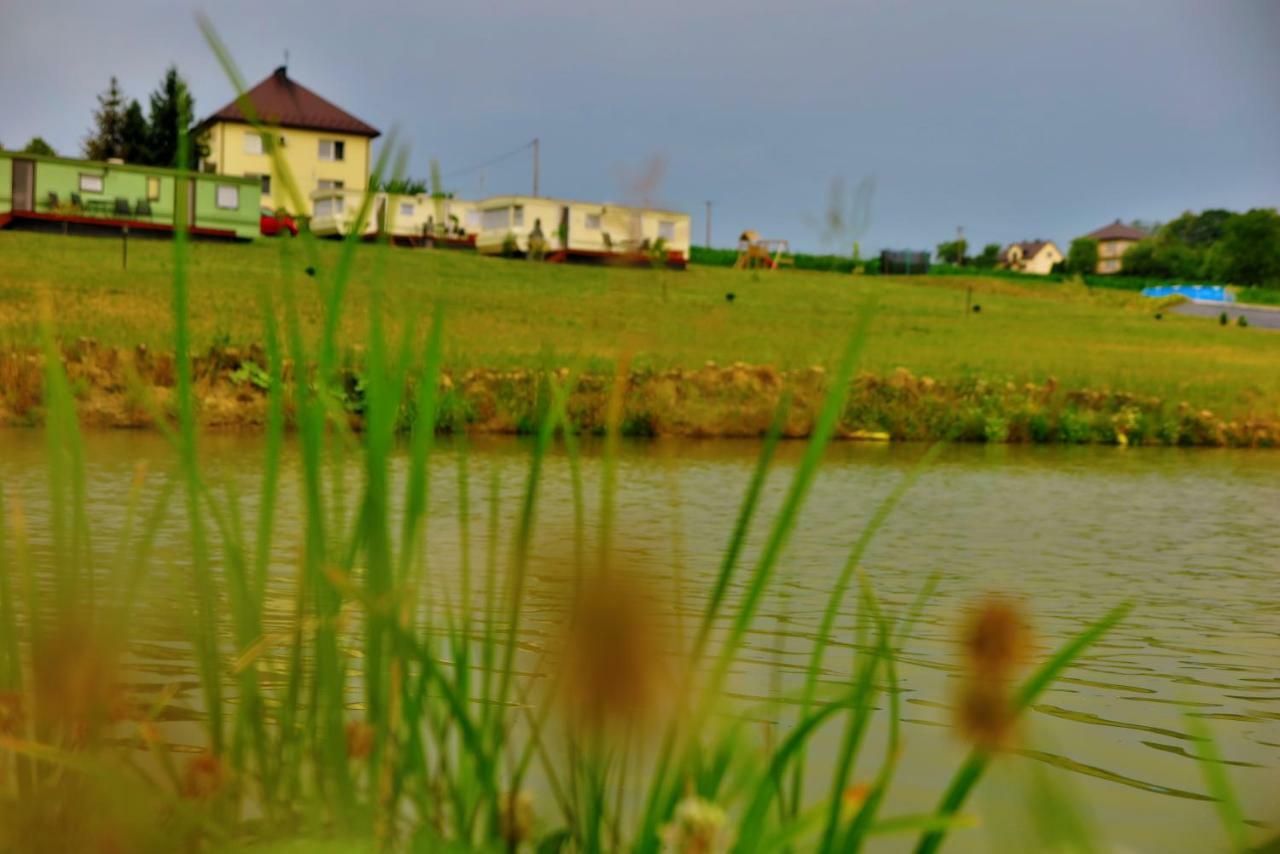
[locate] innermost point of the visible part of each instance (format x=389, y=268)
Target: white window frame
x=326, y=184
x=517, y=216
x=153, y=188
x=222, y=192
x=253, y=143
x=90, y=183
x=332, y=150
x=407, y=209
x=591, y=221
x=667, y=230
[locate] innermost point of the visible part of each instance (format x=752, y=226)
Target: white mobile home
x=582, y=230
x=411, y=219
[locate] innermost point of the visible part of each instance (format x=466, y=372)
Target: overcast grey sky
x=1014, y=119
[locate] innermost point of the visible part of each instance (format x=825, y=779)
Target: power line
x=491, y=161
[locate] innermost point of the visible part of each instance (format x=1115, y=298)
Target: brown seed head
x=75, y=680
x=614, y=659
x=996, y=641
x=204, y=777
x=359, y=740
x=516, y=816
x=10, y=713
x=997, y=638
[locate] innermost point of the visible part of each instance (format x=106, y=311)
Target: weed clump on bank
x=129, y=388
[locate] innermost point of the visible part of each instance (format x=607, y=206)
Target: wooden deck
x=47, y=221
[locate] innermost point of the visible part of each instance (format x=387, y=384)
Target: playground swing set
x=756, y=252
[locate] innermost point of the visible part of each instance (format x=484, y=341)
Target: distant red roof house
x=1117, y=231
x=1113, y=240
x=281, y=101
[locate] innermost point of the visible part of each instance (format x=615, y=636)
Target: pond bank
x=133, y=388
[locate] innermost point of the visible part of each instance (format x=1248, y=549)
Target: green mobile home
x=56, y=193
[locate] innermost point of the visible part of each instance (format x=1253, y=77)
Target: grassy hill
x=504, y=314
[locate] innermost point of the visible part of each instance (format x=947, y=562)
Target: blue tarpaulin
x=1198, y=293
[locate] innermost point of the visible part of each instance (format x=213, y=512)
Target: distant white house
x=1031, y=256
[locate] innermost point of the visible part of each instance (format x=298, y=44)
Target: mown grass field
x=504, y=314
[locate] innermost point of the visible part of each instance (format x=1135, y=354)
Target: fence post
x=124, y=248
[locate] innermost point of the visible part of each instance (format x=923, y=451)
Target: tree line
x=121, y=129
x=1214, y=245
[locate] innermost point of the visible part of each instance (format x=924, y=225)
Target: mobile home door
x=24, y=185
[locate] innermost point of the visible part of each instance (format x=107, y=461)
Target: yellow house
x=1113, y=240
x=1032, y=256
x=325, y=147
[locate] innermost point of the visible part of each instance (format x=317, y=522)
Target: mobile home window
x=90, y=183
x=518, y=218
x=406, y=209
x=332, y=149
x=494, y=219
x=153, y=188
x=473, y=219
x=324, y=207
x=667, y=230
x=252, y=143
x=227, y=197
x=593, y=221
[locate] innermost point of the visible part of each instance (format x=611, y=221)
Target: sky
x=1012, y=120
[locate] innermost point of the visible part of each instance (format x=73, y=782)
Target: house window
x=518, y=218
x=252, y=143
x=593, y=221
x=332, y=149
x=495, y=219
x=406, y=209
x=227, y=197
x=153, y=188
x=322, y=184
x=90, y=183
x=667, y=230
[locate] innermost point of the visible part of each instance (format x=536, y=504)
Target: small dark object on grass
x=1159, y=316
x=1242, y=321
x=730, y=297
x=1223, y=319
x=977, y=309
x=311, y=271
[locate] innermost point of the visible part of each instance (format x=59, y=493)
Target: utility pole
x=959, y=241
x=535, y=166
x=708, y=224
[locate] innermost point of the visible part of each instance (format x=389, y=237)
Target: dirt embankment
x=134, y=388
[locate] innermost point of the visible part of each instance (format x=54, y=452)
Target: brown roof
x=1029, y=247
x=287, y=103
x=1117, y=231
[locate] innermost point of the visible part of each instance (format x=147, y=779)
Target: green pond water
x=1190, y=536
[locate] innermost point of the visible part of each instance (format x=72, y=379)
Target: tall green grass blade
x=1217, y=782
x=202, y=582
x=836, y=599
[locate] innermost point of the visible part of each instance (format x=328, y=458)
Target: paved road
x=1264, y=317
